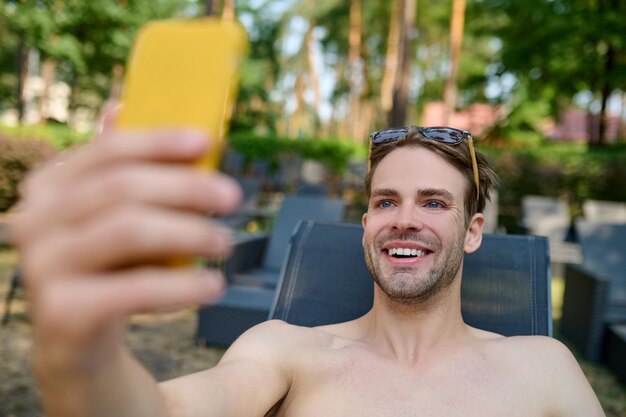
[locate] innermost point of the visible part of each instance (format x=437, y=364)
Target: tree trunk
x=117, y=81
x=72, y=106
x=210, y=7
x=339, y=125
x=592, y=129
x=355, y=65
x=298, y=118
x=605, y=92
x=622, y=124
x=457, y=22
x=393, y=56
x=48, y=70
x=309, y=44
x=398, y=113
x=22, y=74
x=228, y=11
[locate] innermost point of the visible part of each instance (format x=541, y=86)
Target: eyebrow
x=426, y=192
x=436, y=192
x=384, y=192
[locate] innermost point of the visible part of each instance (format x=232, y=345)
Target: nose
x=407, y=218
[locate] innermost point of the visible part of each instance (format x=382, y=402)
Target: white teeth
x=406, y=252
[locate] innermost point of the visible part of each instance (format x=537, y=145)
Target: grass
x=164, y=343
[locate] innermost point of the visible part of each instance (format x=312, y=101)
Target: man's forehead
x=411, y=169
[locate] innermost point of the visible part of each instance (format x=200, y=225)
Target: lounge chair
x=598, y=211
x=595, y=292
x=505, y=287
x=253, y=271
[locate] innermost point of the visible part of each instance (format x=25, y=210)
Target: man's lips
x=405, y=252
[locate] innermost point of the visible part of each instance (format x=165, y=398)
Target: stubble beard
x=407, y=286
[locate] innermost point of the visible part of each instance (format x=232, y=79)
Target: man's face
x=415, y=235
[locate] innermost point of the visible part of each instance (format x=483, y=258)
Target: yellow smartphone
x=184, y=73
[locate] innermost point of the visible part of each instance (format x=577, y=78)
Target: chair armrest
x=247, y=253
x=584, y=310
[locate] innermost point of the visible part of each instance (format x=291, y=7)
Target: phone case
x=184, y=73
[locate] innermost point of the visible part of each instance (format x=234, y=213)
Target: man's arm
x=93, y=230
x=260, y=358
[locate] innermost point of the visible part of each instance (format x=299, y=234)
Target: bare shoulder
x=537, y=352
x=276, y=339
x=552, y=369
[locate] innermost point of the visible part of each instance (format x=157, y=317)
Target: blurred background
x=541, y=84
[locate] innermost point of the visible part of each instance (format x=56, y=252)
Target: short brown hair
x=456, y=155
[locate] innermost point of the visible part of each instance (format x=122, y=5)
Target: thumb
x=108, y=116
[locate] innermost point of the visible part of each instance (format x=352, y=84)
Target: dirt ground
x=165, y=344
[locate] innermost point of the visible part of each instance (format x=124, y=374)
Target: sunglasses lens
x=444, y=134
x=389, y=135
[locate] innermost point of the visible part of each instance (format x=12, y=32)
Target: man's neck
x=412, y=332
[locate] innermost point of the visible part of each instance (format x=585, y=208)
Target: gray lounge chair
x=505, y=288
x=598, y=211
x=549, y=216
x=251, y=190
x=595, y=292
x=253, y=271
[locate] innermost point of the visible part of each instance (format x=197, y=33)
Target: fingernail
x=193, y=139
x=217, y=285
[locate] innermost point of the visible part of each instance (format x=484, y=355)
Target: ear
x=474, y=233
x=363, y=223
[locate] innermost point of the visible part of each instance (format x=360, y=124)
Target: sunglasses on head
x=447, y=135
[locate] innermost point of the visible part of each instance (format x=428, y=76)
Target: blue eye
x=385, y=204
x=433, y=204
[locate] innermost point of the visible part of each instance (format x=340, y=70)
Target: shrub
x=570, y=171
x=59, y=135
x=17, y=157
x=332, y=153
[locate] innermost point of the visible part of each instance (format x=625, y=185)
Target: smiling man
x=94, y=230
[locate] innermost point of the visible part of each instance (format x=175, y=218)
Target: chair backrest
x=604, y=211
x=546, y=216
x=604, y=253
x=251, y=189
x=293, y=209
x=305, y=188
x=505, y=285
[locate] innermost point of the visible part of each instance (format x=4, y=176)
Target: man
x=94, y=230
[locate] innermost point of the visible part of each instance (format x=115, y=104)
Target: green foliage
x=86, y=39
x=253, y=110
x=18, y=155
x=521, y=128
x=332, y=153
x=59, y=136
x=558, y=48
x=570, y=171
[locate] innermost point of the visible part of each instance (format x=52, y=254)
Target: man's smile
x=405, y=252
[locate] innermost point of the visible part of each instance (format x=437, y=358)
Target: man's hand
x=95, y=229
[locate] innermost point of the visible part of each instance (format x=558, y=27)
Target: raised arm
x=251, y=378
x=94, y=229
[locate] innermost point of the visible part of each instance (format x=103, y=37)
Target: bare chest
x=342, y=383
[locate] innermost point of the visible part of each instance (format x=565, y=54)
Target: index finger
x=173, y=146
